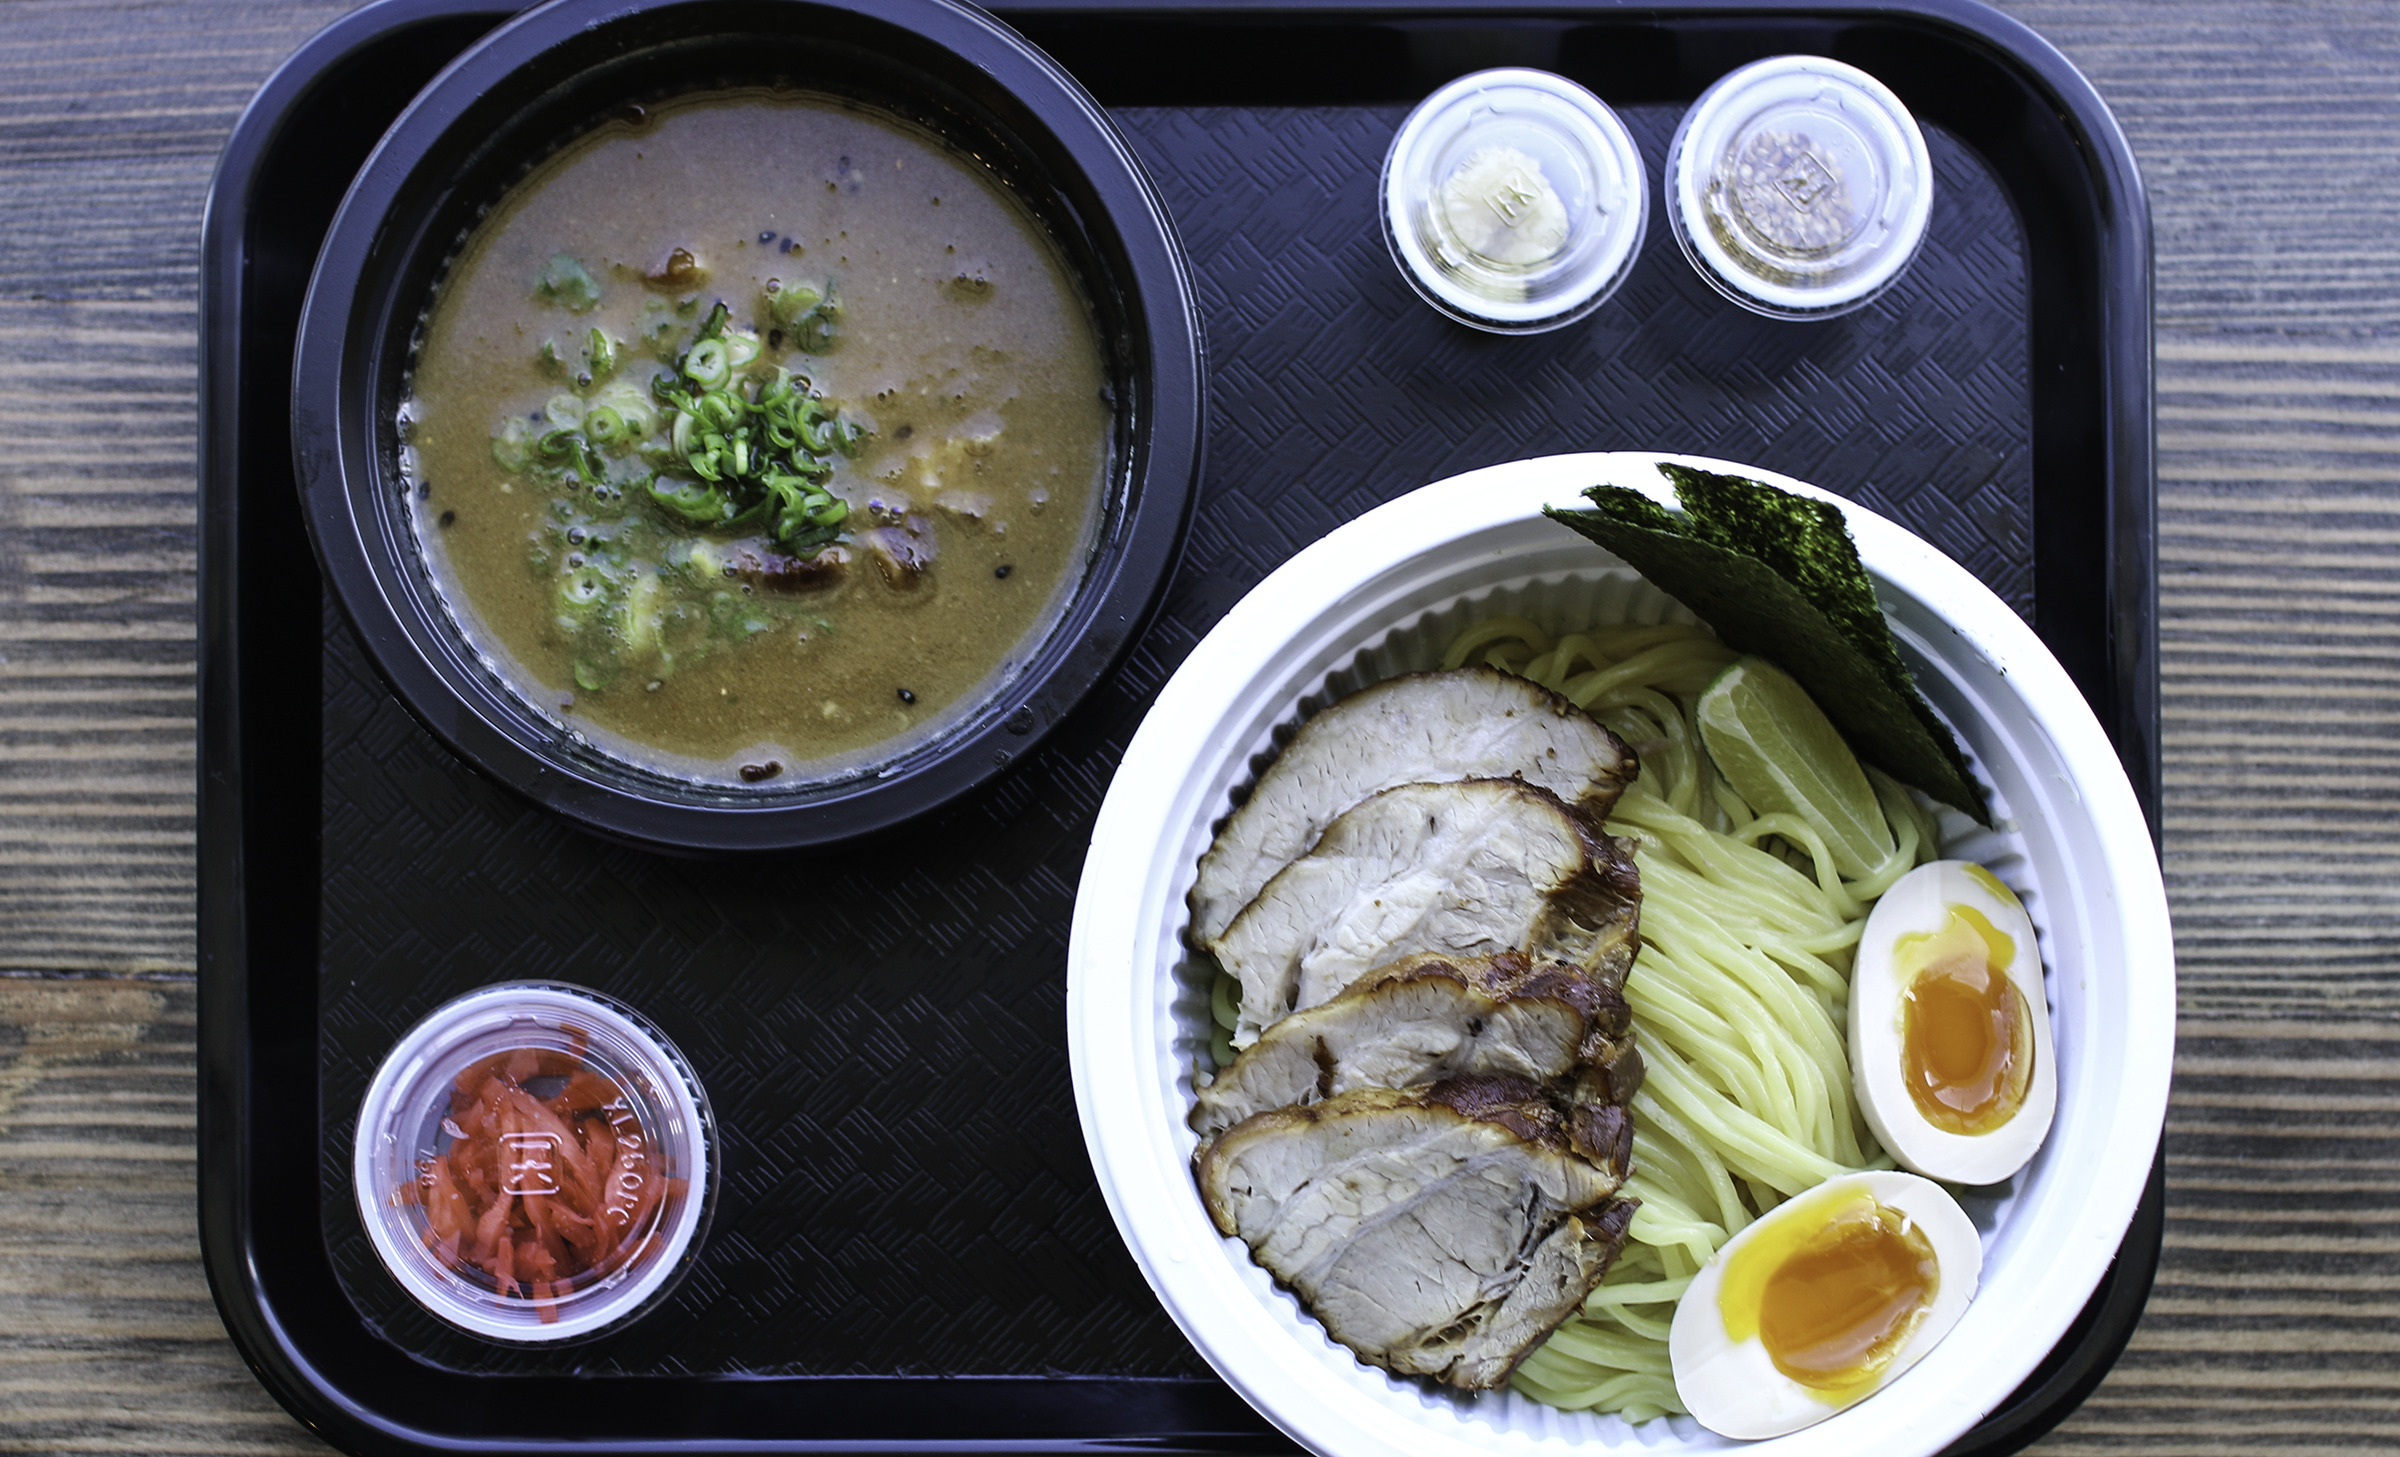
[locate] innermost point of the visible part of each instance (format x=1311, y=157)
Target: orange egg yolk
x=1966, y=1035
x=1832, y=1293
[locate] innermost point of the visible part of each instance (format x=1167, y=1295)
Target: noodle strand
x=1740, y=995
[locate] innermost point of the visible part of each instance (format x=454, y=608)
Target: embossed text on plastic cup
x=535, y=1162
x=1514, y=201
x=1799, y=187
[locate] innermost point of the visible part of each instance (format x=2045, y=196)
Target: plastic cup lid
x=599, y=1122
x=1514, y=200
x=1799, y=186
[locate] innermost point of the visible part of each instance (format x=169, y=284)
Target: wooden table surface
x=2269, y=134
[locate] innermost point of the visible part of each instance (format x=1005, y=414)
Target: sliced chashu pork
x=1472, y=868
x=1607, y=1068
x=1441, y=1232
x=1430, y=1018
x=1468, y=723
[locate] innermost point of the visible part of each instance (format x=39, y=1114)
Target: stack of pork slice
x=1427, y=1123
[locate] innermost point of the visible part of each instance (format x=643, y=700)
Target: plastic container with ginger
x=535, y=1162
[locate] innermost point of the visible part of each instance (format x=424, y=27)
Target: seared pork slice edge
x=1426, y=1019
x=1464, y=723
x=1409, y=1222
x=1475, y=867
x=1560, y=1274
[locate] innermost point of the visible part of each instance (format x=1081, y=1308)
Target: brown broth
x=965, y=347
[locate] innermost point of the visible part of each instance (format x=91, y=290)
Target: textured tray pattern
x=882, y=1030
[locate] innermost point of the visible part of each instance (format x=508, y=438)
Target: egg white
x=1918, y=903
x=1734, y=1389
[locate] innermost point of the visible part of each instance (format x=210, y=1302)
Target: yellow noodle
x=1574, y=648
x=1786, y=1029
x=1699, y=1034
x=1673, y=1179
x=1751, y=1070
x=1490, y=631
x=1750, y=1146
x=1563, y=1381
x=1713, y=1186
x=1739, y=997
x=1800, y=833
x=1650, y=1329
x=1224, y=1001
x=1668, y=664
x=1839, y=938
x=1648, y=1292
x=1612, y=1345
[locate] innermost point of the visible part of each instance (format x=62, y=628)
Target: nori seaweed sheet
x=1777, y=575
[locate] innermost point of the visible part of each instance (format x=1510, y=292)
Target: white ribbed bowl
x=1381, y=595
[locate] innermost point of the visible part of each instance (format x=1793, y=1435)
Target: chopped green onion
x=658, y=328
x=633, y=407
x=511, y=445
x=817, y=334
x=566, y=282
x=692, y=501
x=788, y=305
x=580, y=590
x=736, y=445
x=707, y=365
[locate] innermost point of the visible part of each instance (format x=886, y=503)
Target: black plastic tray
x=909, y=1252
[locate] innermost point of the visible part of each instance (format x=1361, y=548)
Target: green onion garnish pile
x=751, y=449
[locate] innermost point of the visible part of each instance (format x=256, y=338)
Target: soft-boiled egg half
x=1823, y=1300
x=1949, y=1027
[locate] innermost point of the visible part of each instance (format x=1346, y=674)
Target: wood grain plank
x=108, y=1339
x=97, y=576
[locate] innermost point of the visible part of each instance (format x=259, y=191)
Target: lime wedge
x=1779, y=752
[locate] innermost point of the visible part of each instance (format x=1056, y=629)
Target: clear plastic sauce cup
x=1799, y=187
x=1514, y=201
x=535, y=1162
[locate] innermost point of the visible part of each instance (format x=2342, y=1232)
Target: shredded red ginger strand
x=542, y=1195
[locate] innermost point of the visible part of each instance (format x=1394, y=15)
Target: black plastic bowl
x=550, y=75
